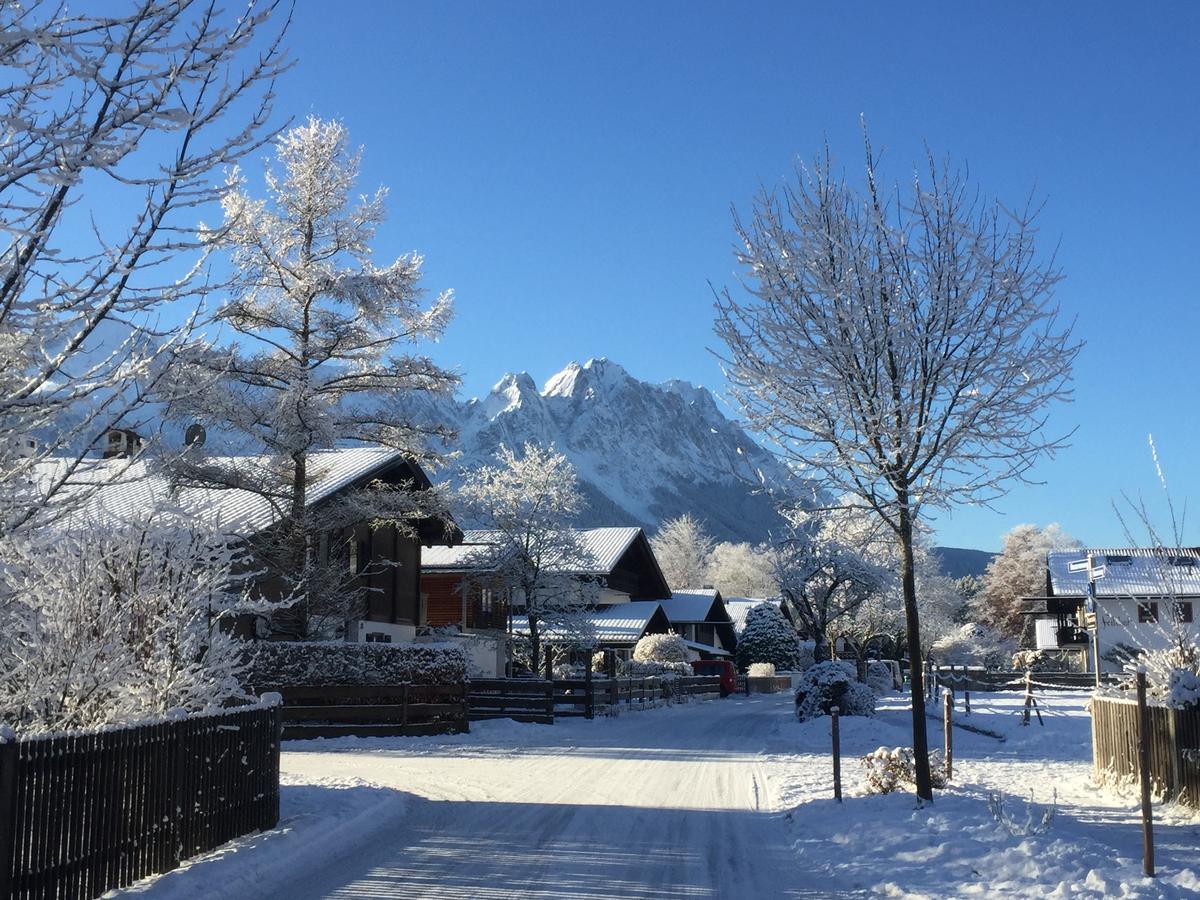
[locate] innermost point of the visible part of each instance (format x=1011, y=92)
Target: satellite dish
x=194, y=436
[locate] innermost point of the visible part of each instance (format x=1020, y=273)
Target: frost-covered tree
x=823, y=577
x=1018, y=570
x=528, y=504
x=115, y=121
x=683, y=550
x=904, y=345
x=323, y=354
x=973, y=644
x=112, y=622
x=768, y=638
x=743, y=570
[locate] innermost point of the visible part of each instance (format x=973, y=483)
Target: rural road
x=666, y=804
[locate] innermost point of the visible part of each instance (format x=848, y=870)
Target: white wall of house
x=1118, y=623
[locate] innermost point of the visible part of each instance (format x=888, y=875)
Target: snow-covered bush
x=974, y=644
x=660, y=648
x=275, y=664
x=1030, y=660
x=768, y=637
x=109, y=623
x=1034, y=823
x=636, y=669
x=762, y=670
x=880, y=677
x=891, y=769
x=1172, y=674
x=829, y=684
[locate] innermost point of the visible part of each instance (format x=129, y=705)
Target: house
x=617, y=627
x=700, y=618
x=620, y=558
x=1140, y=596
x=383, y=560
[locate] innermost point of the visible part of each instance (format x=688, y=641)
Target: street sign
x=1097, y=572
x=1077, y=565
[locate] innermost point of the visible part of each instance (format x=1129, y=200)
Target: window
x=1147, y=612
x=1182, y=560
x=1183, y=612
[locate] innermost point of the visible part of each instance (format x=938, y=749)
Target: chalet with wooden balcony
x=700, y=618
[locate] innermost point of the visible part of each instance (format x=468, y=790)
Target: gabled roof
x=1129, y=572
x=738, y=607
x=622, y=623
x=706, y=648
x=601, y=548
x=120, y=490
x=695, y=606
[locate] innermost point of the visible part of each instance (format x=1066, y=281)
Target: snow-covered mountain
x=644, y=452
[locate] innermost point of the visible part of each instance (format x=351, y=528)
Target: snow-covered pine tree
x=528, y=503
x=683, y=550
x=768, y=638
x=116, y=123
x=321, y=358
x=906, y=347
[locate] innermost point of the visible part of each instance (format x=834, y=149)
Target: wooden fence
x=1174, y=742
x=374, y=710
x=530, y=700
x=82, y=814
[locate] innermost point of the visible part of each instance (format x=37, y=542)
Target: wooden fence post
x=835, y=735
x=589, y=696
x=948, y=726
x=1143, y=745
x=549, y=664
x=967, y=702
x=8, y=808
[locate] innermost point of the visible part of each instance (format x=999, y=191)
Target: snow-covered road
x=628, y=808
x=721, y=799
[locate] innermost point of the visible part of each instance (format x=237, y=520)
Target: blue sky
x=569, y=169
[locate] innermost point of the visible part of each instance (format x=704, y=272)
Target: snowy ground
x=728, y=798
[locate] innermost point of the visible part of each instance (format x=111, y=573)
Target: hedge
x=276, y=664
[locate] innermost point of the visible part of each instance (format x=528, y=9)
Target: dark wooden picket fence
x=374, y=710
x=81, y=814
x=534, y=700
x=1174, y=742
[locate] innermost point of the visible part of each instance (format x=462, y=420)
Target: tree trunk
x=535, y=645
x=912, y=621
x=294, y=621
x=819, y=647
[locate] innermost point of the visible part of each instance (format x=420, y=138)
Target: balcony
x=1069, y=635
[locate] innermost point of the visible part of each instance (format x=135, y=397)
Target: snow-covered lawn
x=728, y=798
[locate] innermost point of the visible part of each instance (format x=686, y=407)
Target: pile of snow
x=830, y=684
x=275, y=664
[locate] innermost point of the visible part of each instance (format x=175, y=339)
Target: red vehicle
x=721, y=667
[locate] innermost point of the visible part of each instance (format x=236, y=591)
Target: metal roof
x=737, y=607
x=602, y=549
x=691, y=606
x=706, y=648
x=120, y=491
x=621, y=623
x=1129, y=572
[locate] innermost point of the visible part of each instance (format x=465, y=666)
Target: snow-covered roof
x=1129, y=572
x=621, y=623
x=738, y=607
x=602, y=549
x=706, y=648
x=120, y=490
x=690, y=606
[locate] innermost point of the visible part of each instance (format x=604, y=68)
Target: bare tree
x=321, y=354
x=143, y=104
x=905, y=346
x=684, y=550
x=534, y=555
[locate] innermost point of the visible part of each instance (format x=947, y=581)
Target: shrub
x=762, y=670
x=831, y=684
x=974, y=645
x=660, y=648
x=638, y=669
x=768, y=638
x=275, y=664
x=890, y=770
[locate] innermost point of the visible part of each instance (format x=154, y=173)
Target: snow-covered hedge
x=769, y=638
x=274, y=664
x=829, y=684
x=660, y=648
x=880, y=677
x=762, y=670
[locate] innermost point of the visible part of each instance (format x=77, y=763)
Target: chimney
x=121, y=443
